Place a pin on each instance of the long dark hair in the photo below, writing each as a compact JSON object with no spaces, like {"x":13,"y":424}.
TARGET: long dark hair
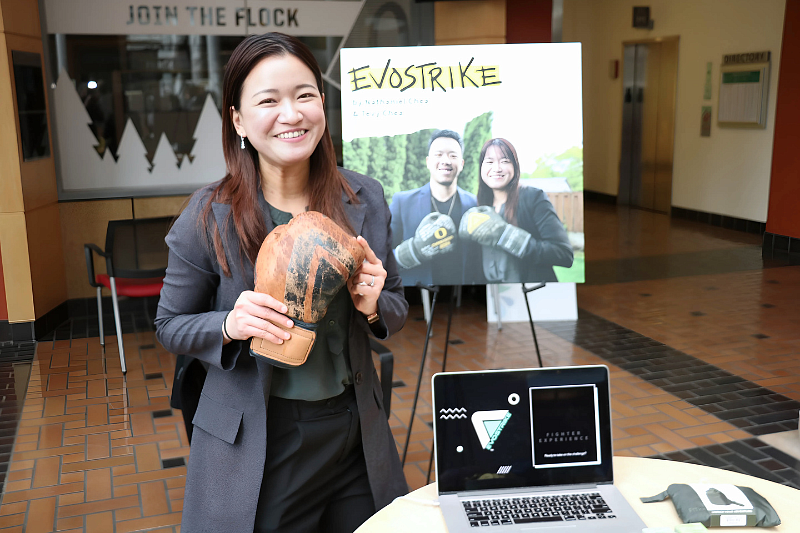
{"x":241,"y":185}
{"x":486,"y":194}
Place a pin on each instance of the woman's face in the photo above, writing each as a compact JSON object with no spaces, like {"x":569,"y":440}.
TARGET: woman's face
{"x":281,"y":112}
{"x":497,"y":171}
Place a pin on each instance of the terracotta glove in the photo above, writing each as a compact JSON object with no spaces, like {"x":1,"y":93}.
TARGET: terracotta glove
{"x":303,"y":264}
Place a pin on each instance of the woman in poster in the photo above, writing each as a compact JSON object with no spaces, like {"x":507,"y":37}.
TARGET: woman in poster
{"x":529,"y":239}
{"x":274,"y":449}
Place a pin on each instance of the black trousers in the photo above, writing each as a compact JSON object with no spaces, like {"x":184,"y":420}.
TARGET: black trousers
{"x":315,"y":476}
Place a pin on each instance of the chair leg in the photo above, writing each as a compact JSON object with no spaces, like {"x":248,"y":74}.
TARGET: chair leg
{"x":119,"y":324}
{"x":100,"y":315}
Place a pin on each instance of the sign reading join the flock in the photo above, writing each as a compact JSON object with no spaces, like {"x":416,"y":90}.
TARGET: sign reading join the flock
{"x":480,"y":153}
{"x":201,"y":17}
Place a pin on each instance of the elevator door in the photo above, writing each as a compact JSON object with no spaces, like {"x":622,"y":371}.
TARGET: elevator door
{"x":650,"y":72}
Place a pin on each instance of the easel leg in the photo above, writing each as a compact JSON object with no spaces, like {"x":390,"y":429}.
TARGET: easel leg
{"x":426,"y":307}
{"x":495,"y":291}
{"x":525,"y":292}
{"x":435,"y":291}
{"x":453,"y":300}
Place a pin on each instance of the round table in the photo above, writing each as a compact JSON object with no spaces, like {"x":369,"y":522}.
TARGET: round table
{"x":634,"y":476}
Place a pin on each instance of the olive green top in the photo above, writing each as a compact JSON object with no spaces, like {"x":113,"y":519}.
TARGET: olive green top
{"x":327,"y":369}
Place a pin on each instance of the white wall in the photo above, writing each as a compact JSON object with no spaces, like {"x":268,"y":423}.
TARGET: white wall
{"x":727,"y":173}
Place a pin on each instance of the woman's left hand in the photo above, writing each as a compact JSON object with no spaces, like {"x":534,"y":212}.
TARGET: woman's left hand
{"x":366,"y":284}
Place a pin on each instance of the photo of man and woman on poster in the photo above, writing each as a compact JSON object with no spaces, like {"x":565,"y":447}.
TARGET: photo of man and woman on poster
{"x":480,"y":153}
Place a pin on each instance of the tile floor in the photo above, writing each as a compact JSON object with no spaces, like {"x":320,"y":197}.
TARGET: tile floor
{"x":701,"y":335}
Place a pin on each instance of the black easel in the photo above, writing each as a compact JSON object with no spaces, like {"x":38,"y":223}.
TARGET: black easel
{"x":525,"y":291}
{"x":444,"y":365}
{"x":435,"y":290}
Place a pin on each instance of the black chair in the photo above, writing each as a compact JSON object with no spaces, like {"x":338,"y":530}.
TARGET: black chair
{"x":136,"y":262}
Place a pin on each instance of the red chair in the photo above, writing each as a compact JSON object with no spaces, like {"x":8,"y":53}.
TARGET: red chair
{"x":136,"y":262}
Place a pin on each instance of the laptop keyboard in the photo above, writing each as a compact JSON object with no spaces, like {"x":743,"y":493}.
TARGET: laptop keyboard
{"x":530,"y":509}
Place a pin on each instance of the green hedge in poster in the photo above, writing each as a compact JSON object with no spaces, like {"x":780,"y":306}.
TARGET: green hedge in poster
{"x":416,"y":170}
{"x":398,"y":161}
{"x":476,"y":133}
{"x":356,"y":155}
{"x":568,"y":164}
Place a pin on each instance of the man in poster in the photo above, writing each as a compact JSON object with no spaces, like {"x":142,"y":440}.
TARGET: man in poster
{"x":425,"y":221}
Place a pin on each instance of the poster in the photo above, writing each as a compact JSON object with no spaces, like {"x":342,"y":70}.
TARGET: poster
{"x":479,"y":149}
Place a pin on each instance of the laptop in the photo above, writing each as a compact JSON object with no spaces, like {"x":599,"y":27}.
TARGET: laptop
{"x":527,"y":450}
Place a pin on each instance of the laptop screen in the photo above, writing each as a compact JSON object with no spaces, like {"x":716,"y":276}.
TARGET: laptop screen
{"x":522,"y":428}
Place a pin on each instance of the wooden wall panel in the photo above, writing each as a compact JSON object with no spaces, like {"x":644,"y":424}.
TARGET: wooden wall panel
{"x":473,"y":22}
{"x":20,"y":17}
{"x":16,"y":267}
{"x":10,"y":184}
{"x":159,"y":207}
{"x":86,"y":221}
{"x":83,"y":222}
{"x":37,"y":181}
{"x":38,"y":177}
{"x":3,"y":302}
{"x":46,"y":258}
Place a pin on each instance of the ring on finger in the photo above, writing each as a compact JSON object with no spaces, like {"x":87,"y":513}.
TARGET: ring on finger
{"x":372,"y":283}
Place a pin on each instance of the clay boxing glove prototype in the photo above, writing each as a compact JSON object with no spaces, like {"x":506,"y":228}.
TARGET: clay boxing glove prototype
{"x":435,"y":235}
{"x":303,"y":264}
{"x":484,"y":226}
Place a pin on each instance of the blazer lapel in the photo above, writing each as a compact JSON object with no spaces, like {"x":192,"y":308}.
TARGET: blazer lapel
{"x":237,"y":261}
{"x":355,"y":212}
{"x":225,"y":228}
{"x":424,"y":199}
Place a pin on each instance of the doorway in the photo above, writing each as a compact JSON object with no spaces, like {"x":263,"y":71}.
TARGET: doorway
{"x":649,"y":79}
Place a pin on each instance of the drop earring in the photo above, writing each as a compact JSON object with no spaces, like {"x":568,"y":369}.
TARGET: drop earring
{"x":241,"y":145}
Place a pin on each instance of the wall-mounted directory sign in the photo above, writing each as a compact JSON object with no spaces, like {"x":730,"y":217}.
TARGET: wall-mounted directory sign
{"x":743,"y":90}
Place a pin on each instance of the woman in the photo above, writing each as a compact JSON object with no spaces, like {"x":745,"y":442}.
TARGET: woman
{"x":527,"y":208}
{"x":306,"y":449}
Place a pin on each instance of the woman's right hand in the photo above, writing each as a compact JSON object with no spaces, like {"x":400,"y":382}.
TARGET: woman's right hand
{"x":254,"y":315}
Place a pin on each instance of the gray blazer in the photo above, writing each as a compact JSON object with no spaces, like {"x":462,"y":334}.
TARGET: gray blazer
{"x":229,"y":442}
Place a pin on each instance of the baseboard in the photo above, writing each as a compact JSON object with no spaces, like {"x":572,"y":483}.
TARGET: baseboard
{"x":74,"y":308}
{"x":12,"y":333}
{"x":781,"y":245}
{"x":599,"y":197}
{"x":51,"y":320}
{"x":723,"y":221}
{"x":30,"y":331}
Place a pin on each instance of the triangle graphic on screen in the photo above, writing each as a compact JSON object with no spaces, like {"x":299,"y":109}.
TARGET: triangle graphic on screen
{"x":488,"y":425}
{"x":491,"y":425}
